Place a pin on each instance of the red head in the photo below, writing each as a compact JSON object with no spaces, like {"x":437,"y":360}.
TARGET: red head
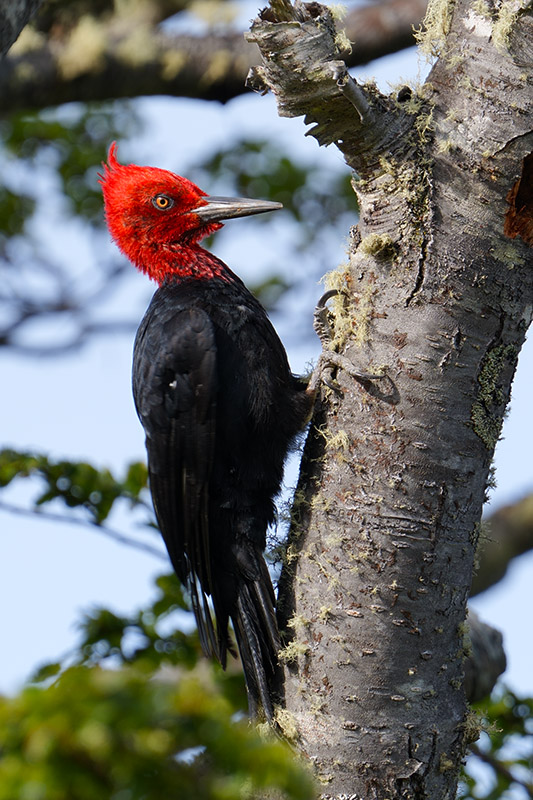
{"x":156,"y":218}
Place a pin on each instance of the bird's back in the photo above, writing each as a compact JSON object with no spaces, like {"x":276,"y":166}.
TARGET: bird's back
{"x":220,"y":407}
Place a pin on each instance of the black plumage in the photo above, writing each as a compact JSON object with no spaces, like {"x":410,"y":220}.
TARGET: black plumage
{"x":220,"y":408}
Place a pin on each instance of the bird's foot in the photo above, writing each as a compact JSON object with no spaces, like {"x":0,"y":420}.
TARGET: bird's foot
{"x":330,"y":360}
{"x":321,"y":322}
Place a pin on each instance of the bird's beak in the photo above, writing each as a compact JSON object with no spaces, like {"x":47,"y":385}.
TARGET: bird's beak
{"x":220,"y":208}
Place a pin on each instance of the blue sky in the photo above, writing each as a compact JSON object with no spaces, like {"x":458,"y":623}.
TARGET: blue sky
{"x":80,"y":406}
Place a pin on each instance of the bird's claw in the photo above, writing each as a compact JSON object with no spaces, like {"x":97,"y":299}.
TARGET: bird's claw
{"x":329,"y":359}
{"x":320,"y":317}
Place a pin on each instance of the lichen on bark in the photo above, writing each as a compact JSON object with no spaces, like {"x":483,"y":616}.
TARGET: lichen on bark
{"x":486,"y":410}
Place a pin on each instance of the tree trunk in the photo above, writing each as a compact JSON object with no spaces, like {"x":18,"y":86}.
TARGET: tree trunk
{"x":435,"y":300}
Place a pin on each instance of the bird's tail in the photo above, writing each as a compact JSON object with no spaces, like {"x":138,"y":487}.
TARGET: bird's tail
{"x":258,"y":641}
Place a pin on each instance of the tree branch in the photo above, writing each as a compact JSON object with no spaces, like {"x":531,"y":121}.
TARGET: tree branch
{"x":109,"y":57}
{"x":70,"y":298}
{"x":507,"y":533}
{"x":8,"y":337}
{"x":116,"y":536}
{"x":485,"y":660}
{"x":500,"y":768}
{"x":14,"y":15}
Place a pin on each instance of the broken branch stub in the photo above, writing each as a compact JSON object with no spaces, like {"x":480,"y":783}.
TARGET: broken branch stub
{"x":302,"y":66}
{"x":300,"y":60}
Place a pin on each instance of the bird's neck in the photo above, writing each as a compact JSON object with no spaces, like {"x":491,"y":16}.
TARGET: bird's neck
{"x":175,"y":262}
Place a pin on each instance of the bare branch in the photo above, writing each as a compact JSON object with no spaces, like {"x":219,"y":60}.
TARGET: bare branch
{"x":14,"y":15}
{"x":68,"y":297}
{"x":502,"y":769}
{"x":485,"y":661}
{"x":107,"y":58}
{"x":505,"y":534}
{"x":116,"y":536}
{"x":70,"y":345}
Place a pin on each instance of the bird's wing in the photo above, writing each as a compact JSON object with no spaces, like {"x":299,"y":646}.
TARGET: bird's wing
{"x":174,"y":385}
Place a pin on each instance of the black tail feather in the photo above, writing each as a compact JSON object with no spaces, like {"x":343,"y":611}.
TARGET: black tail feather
{"x":204,"y":622}
{"x":267,"y":598}
{"x":258,"y":642}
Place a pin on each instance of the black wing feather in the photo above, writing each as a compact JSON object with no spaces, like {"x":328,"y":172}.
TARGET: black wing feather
{"x":174,"y":385}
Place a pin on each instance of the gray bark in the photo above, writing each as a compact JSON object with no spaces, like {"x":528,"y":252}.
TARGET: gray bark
{"x":437,"y":297}
{"x":14,"y":15}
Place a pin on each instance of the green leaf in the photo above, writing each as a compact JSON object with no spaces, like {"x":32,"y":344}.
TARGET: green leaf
{"x":97,"y":734}
{"x":508,"y":731}
{"x":45,"y":672}
{"x":74,"y":140}
{"x":75,"y":483}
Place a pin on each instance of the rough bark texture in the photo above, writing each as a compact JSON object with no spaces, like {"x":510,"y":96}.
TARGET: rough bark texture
{"x":437,"y":298}
{"x":125,"y":53}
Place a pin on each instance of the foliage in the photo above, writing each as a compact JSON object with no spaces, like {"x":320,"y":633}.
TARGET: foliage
{"x":77,"y":484}
{"x":147,"y":638}
{"x":501,"y":765}
{"x":137,"y":715}
{"x":50,"y":162}
{"x":111,"y":724}
{"x":72,"y":140}
{"x":135,"y":711}
{"x":152,"y":642}
{"x":98,"y":733}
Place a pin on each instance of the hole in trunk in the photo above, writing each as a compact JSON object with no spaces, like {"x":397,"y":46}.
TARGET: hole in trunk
{"x":519,"y":216}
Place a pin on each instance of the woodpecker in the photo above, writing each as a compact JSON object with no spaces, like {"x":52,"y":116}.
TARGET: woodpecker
{"x":219,"y":406}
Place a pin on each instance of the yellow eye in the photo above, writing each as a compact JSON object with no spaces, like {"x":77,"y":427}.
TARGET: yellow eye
{"x":162,"y":202}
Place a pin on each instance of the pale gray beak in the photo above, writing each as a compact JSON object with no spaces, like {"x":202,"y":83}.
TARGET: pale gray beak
{"x":219,"y":208}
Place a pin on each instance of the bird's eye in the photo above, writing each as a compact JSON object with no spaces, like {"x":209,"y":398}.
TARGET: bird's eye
{"x":162,"y":202}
